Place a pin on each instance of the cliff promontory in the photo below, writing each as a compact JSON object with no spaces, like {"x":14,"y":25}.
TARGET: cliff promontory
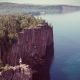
{"x":33,"y":45}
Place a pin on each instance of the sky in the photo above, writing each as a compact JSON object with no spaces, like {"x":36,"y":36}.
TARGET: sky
{"x":49,"y":2}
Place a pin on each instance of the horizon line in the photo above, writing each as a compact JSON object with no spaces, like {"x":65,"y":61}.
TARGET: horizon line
{"x":42,"y":4}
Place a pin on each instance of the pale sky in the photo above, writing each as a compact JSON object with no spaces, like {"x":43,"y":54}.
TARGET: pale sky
{"x":72,"y":2}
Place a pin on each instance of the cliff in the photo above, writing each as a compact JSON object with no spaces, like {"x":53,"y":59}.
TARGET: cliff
{"x":35,"y":47}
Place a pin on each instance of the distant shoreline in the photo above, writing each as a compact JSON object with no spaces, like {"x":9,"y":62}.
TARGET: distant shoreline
{"x":15,"y":8}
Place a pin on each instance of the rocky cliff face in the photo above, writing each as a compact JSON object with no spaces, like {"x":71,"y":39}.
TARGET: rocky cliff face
{"x":35,"y":47}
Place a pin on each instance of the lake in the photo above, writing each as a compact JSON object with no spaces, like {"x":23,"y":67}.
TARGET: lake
{"x":66,"y":30}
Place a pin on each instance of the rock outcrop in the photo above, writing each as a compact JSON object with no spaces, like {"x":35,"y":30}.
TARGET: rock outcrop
{"x":35,"y":47}
{"x":19,"y":72}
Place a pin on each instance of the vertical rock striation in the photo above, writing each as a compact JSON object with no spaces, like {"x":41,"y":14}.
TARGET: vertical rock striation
{"x":35,"y":47}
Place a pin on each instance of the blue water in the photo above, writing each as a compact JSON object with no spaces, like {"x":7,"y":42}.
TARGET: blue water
{"x":66,"y":63}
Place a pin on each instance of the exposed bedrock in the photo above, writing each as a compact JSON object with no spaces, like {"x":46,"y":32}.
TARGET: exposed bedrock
{"x":18,"y":72}
{"x":35,"y":47}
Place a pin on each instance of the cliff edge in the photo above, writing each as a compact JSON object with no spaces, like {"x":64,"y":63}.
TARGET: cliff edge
{"x":35,"y":47}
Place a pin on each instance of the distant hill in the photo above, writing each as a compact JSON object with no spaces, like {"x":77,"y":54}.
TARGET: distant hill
{"x":13,"y":8}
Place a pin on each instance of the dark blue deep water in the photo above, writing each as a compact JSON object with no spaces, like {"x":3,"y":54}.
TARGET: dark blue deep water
{"x":66,"y":63}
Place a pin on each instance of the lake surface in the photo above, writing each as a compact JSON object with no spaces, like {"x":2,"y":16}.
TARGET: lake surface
{"x":66,"y":63}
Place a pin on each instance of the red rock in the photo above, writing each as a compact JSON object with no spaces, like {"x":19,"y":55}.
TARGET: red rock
{"x":35,"y":47}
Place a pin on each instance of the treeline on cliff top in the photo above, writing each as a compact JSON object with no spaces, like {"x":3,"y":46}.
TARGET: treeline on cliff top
{"x":11,"y":25}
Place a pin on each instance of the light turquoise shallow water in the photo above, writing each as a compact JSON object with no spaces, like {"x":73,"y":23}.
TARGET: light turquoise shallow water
{"x":66,"y":64}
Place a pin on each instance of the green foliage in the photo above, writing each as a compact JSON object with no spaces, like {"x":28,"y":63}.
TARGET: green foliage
{"x":13,"y":24}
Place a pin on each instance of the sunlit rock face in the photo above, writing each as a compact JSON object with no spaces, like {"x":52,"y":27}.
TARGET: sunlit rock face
{"x":35,"y":47}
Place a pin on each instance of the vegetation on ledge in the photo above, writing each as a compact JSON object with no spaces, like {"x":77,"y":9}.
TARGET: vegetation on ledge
{"x":11,"y":25}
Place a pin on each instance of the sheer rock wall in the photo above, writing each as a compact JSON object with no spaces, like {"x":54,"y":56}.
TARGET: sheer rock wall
{"x":36,"y":48}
